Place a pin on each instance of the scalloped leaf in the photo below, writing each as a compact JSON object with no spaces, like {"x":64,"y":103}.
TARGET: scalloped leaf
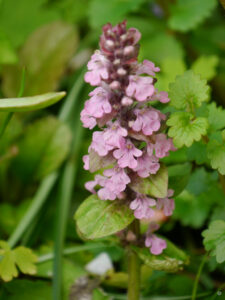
{"x":216,"y":154}
{"x":205,"y":66}
{"x":172,"y":259}
{"x":30,"y":103}
{"x":97,"y":218}
{"x":214,"y":240}
{"x":155,"y":185}
{"x":187,"y":14}
{"x":185,"y":130}
{"x":188,"y":91}
{"x":216,"y":116}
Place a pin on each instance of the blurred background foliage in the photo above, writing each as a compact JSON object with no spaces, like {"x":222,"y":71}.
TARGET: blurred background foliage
{"x":41,"y":170}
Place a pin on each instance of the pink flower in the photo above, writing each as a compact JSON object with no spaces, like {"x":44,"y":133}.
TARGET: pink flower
{"x":87,"y":120}
{"x":126,"y":154}
{"x":167,"y":204}
{"x":134,"y":34}
{"x":147,"y":165}
{"x":113,"y":185}
{"x":141,"y":206}
{"x":148,"y":120}
{"x":140,"y":87}
{"x":86,"y":162}
{"x":99,"y":144}
{"x":162,"y":97}
{"x":97,"y":67}
{"x":162,"y":146}
{"x":114,"y":133}
{"x":147,"y":67}
{"x":156,"y":245}
{"x":89,"y":185}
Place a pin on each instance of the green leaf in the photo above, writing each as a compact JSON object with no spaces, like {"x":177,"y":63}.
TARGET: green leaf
{"x":188,"y":91}
{"x":102,"y":12}
{"x":20,"y":257}
{"x":19,"y":19}
{"x":7,"y":52}
{"x":205,"y":66}
{"x":185,"y":130}
{"x":197,"y":153}
{"x":43,"y":147}
{"x":30,"y":103}
{"x":214,"y":240}
{"x":187,"y":14}
{"x":160,"y":47}
{"x":155,"y":185}
{"x":171,"y":260}
{"x":45,"y":56}
{"x":178,"y":177}
{"x":96,"y":218}
{"x":216,"y":154}
{"x":216,"y":116}
{"x":169,"y":69}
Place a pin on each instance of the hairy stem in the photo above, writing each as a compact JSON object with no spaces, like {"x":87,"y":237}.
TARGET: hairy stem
{"x":134,"y":273}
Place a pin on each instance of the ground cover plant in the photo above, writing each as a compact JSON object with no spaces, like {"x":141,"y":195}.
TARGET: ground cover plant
{"x":112,"y":150}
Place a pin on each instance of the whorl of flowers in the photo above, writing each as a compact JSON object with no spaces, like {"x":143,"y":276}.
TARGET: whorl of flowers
{"x":130,"y":141}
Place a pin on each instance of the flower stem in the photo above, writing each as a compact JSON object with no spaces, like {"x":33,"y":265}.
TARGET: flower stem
{"x":134,"y":273}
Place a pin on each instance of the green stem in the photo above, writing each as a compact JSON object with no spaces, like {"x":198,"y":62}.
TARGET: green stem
{"x":134,"y":271}
{"x":38,"y":200}
{"x":195,"y":287}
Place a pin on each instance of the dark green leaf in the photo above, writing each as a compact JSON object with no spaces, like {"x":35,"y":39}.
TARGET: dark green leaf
{"x":178,"y":177}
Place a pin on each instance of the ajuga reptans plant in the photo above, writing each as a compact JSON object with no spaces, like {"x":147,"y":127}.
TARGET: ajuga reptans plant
{"x":131,"y":140}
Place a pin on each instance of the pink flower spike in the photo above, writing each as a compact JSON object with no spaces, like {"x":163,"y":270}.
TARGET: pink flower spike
{"x":97,"y":67}
{"x":87,"y":120}
{"x":140,"y":87}
{"x":162,"y":145}
{"x":147,"y":165}
{"x":141,"y":206}
{"x":99,"y":144}
{"x":126,"y":154}
{"x":148,"y":120}
{"x":166,"y":204}
{"x":156,"y":245}
{"x":147,"y":67}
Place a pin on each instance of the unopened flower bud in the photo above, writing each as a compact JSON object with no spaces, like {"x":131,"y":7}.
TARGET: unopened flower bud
{"x":123,"y":37}
{"x":121,"y":72}
{"x":110,"y":44}
{"x":115,"y":85}
{"x":126,"y":101}
{"x":128,"y":50}
{"x":116,"y":62}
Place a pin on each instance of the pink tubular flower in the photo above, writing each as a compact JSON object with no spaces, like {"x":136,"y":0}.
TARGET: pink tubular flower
{"x":141,"y":206}
{"x":148,"y":120}
{"x":126,"y":154}
{"x":131,"y":138}
{"x":140,"y":87}
{"x":147,"y":165}
{"x":147,"y":67}
{"x":167,"y":204}
{"x":155,"y":244}
{"x":97,"y":67}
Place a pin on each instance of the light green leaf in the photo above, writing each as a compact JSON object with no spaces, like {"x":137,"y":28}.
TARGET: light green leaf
{"x":45,"y":56}
{"x":7,"y":52}
{"x":171,"y":260}
{"x":178,"y":177}
{"x":184,"y":130}
{"x":216,"y":154}
{"x":42,"y":149}
{"x":102,"y":12}
{"x":188,"y":91}
{"x":169,"y":69}
{"x":96,"y":218}
{"x":155,"y":185}
{"x":187,"y":14}
{"x":25,"y":260}
{"x":160,"y":47}
{"x":11,"y":259}
{"x":216,"y":116}
{"x":205,"y":66}
{"x":214,"y":240}
{"x":30,"y":103}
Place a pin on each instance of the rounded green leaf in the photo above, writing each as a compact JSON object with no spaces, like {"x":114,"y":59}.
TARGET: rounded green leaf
{"x":30,"y":103}
{"x":155,"y":185}
{"x":96,"y":218}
